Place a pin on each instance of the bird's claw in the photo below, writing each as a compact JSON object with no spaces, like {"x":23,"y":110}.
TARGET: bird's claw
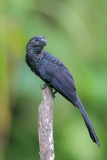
{"x":44,"y":86}
{"x":53,"y":93}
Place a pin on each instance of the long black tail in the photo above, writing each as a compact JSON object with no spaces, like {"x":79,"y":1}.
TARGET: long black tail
{"x":88,"y":123}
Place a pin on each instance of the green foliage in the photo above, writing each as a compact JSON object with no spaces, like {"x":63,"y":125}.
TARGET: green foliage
{"x":76,"y":32}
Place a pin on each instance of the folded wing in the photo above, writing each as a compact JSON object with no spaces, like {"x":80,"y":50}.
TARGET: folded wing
{"x":61,"y":80}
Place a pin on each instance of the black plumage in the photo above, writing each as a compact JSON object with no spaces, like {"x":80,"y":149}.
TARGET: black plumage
{"x":51,"y":70}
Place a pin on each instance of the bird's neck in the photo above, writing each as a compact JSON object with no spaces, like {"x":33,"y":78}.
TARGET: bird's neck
{"x":38,"y":50}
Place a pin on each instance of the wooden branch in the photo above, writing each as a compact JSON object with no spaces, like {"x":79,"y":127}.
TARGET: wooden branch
{"x":45,"y":129}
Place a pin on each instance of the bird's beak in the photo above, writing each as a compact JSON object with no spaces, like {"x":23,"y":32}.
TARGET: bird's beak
{"x":44,"y":41}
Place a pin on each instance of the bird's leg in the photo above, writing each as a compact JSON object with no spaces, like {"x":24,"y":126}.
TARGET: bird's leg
{"x":49,"y":84}
{"x":53,"y":93}
{"x":45,"y":85}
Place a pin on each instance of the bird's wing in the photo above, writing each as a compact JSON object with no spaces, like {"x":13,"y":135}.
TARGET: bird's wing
{"x":61,"y":80}
{"x":42,"y":72}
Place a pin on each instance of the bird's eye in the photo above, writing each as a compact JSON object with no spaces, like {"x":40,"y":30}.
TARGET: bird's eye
{"x":37,"y":39}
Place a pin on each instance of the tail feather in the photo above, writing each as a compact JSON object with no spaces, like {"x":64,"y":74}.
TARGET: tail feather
{"x":88,"y":123}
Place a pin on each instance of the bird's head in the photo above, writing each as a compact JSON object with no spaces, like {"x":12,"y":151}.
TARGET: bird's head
{"x":36,"y":44}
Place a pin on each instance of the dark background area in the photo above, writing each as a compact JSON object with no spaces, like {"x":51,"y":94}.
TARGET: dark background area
{"x":76,"y":32}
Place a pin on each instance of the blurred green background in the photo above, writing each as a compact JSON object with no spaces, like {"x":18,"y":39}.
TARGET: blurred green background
{"x":76,"y":32}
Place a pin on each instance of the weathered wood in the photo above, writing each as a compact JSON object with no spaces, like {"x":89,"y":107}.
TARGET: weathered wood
{"x":45,"y":130}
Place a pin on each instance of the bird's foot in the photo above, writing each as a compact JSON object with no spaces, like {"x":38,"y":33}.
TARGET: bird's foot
{"x":53,"y":93}
{"x":45,"y":85}
{"x":49,"y":84}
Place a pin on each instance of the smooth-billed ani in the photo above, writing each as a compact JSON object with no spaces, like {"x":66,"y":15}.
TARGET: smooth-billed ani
{"x":52,"y":71}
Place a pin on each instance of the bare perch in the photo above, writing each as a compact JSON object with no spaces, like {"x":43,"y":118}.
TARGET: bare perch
{"x":46,"y":141}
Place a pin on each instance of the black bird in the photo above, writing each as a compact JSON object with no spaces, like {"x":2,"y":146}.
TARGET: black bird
{"x":52,"y":71}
